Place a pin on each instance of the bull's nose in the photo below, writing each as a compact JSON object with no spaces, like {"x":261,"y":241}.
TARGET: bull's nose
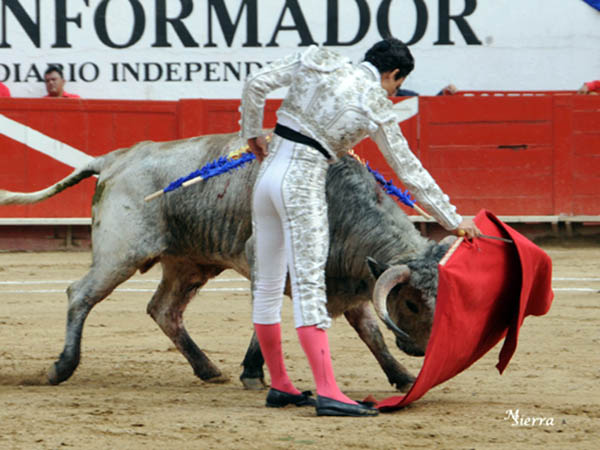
{"x":409,"y":348}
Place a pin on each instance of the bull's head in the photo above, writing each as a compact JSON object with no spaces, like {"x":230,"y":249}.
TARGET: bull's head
{"x":405,"y":294}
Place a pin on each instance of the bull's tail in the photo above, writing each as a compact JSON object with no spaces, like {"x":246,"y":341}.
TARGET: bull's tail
{"x":21,"y":198}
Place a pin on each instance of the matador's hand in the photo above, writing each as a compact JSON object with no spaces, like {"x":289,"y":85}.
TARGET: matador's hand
{"x":258,"y":146}
{"x":468,"y":228}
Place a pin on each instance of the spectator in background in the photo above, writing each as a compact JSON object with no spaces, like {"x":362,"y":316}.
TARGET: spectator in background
{"x":4,"y":91}
{"x":590,"y":88}
{"x":55,"y":83}
{"x":448,"y":90}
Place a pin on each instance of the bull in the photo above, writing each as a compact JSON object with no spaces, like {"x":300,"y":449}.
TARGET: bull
{"x":196,"y":233}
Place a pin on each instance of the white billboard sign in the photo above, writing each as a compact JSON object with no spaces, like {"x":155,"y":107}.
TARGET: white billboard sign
{"x":172,"y":49}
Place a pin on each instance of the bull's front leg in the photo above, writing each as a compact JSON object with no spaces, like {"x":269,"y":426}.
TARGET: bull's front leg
{"x":365,"y":323}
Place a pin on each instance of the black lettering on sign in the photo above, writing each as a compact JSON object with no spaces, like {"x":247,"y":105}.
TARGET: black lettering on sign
{"x":173,"y":72}
{"x":461,"y":23}
{"x":209,"y":71}
{"x":5,"y":72}
{"x":72,"y":71}
{"x":133,"y":70}
{"x":249,"y":65}
{"x":62,"y":20}
{"x":300,"y":25}
{"x":176,"y":23}
{"x":190,"y":69}
{"x":100,"y":23}
{"x":234,"y":70}
{"x":383,"y":21}
{"x":34,"y":73}
{"x":114,"y":67}
{"x":17,"y":67}
{"x":228,"y":27}
{"x":152,"y":71}
{"x":333,"y":21}
{"x":31,"y":27}
{"x":89,"y":72}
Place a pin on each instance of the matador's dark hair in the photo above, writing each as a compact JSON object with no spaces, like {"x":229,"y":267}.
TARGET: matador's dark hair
{"x":390,"y":54}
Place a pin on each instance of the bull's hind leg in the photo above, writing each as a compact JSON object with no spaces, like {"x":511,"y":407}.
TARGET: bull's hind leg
{"x":180,"y":281}
{"x":95,"y":286}
{"x":365,"y":323}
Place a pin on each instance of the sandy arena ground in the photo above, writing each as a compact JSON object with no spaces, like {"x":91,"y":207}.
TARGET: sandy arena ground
{"x":134,"y":390}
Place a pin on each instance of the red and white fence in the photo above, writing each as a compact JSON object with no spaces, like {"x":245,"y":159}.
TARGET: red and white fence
{"x":525,"y":156}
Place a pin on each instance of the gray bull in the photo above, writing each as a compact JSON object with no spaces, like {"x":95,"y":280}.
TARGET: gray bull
{"x":197,"y":232}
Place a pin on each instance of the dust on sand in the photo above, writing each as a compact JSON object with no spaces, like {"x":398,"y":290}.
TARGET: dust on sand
{"x":134,"y":390}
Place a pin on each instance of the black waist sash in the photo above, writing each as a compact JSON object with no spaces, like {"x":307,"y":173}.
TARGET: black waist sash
{"x":294,"y":136}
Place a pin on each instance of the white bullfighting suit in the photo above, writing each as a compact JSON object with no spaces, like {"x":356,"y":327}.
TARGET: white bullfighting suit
{"x":336,"y":104}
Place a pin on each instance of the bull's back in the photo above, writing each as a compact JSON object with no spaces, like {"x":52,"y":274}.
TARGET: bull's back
{"x":209,"y":221}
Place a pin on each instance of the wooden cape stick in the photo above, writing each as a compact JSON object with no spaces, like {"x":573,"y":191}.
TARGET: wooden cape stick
{"x":451,"y":250}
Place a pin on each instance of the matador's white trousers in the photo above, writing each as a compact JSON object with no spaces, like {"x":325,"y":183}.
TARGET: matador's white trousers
{"x":289,"y":217}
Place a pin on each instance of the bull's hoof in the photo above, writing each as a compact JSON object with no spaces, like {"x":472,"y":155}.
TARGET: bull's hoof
{"x":254,"y":384}
{"x":404,"y":383}
{"x":404,"y":387}
{"x":57,"y":373}
{"x":53,"y":377}
{"x":211,"y":374}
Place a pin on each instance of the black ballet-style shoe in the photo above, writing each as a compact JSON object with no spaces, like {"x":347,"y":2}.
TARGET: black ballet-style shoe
{"x":329,"y":407}
{"x":279,"y":399}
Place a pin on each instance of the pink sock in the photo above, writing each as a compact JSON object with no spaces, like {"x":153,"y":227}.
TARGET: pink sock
{"x":316,"y":346}
{"x":269,"y":338}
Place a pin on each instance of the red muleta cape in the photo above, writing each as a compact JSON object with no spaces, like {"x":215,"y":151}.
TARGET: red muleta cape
{"x":486,"y":288}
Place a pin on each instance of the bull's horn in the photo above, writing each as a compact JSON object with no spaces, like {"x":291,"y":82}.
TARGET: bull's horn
{"x":384,"y":284}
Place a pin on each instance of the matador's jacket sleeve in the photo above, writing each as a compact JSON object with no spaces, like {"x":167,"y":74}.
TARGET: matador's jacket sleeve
{"x":338,"y":105}
{"x":394,"y":147}
{"x":277,"y":74}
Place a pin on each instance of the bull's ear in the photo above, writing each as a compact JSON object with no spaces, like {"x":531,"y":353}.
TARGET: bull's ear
{"x":376,"y":267}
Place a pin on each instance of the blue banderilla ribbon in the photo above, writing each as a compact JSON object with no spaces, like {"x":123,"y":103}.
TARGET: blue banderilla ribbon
{"x":390,"y":189}
{"x":224,"y":164}
{"x":212,"y":169}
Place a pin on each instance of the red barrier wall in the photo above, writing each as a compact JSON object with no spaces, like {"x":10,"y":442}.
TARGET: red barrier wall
{"x":526,"y":155}
{"x":94,"y":127}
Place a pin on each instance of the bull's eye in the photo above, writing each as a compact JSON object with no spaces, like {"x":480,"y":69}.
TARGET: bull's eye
{"x":410,"y":305}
